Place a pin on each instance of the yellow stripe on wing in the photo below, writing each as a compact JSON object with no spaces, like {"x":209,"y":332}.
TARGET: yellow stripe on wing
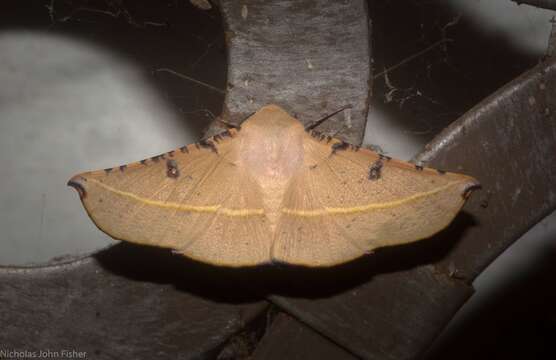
{"x":368,"y":207}
{"x":182,"y":207}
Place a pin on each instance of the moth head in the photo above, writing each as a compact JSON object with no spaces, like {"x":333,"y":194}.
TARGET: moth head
{"x":271,"y":120}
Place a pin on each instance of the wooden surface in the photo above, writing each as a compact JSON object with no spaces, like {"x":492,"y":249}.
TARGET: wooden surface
{"x":507,"y":142}
{"x":391,"y":316}
{"x":289,"y":339}
{"x":390,"y":305}
{"x":124,"y":302}
{"x":310,"y":57}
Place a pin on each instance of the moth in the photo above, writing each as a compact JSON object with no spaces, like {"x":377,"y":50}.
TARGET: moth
{"x":272,"y":192}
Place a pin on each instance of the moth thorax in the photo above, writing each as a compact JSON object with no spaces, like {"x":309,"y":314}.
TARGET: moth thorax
{"x":272,"y":158}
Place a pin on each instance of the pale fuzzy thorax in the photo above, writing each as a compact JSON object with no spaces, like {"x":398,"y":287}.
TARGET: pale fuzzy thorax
{"x":271,"y":151}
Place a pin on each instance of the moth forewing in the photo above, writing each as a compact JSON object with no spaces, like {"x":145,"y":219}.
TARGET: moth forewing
{"x":272,"y":192}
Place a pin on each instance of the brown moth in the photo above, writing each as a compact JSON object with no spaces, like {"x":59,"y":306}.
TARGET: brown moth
{"x":272,"y":192}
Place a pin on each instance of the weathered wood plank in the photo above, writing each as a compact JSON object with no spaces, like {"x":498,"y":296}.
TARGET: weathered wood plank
{"x":507,"y":142}
{"x":392,"y":316}
{"x":310,"y":57}
{"x":125,"y":302}
{"x":287,"y":338}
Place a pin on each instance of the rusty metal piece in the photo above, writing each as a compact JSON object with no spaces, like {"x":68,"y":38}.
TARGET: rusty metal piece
{"x":310,"y":57}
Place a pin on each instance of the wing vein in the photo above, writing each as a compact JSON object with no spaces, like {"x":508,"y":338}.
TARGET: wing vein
{"x":352,"y":241}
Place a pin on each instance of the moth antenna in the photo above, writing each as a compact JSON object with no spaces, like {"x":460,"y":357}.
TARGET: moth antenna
{"x":232,"y":125}
{"x":228,"y":124}
{"x":320,"y":121}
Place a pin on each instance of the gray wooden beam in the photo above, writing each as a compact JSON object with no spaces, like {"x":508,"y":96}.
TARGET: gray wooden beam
{"x":508,"y":142}
{"x":310,"y":57}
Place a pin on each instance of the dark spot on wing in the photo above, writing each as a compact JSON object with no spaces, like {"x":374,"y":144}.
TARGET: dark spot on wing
{"x":315,"y":134}
{"x":172,"y":170}
{"x":207,"y":144}
{"x":226,"y":133}
{"x":344,"y":146}
{"x":375,"y":170}
{"x":157,"y":158}
{"x":384,"y":157}
{"x":339,"y":147}
{"x":319,"y":136}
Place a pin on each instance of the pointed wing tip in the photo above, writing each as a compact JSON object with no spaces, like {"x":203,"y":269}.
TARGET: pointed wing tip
{"x":469,"y":187}
{"x":76,"y":182}
{"x":466,"y":184}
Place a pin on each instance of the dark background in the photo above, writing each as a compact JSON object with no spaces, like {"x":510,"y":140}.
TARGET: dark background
{"x":515,"y":317}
